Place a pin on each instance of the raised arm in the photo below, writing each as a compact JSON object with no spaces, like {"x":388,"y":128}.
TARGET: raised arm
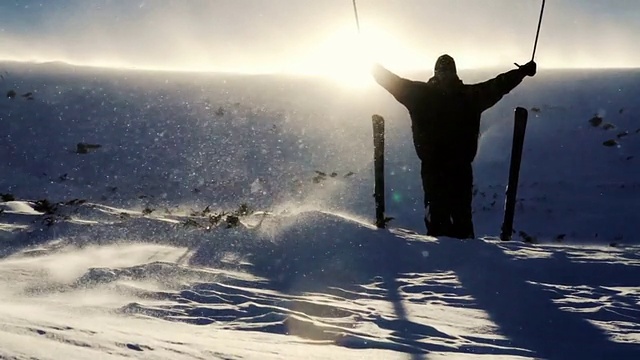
{"x":394,"y":84}
{"x":491,"y":91}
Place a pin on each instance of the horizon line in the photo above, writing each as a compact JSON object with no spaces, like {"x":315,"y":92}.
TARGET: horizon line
{"x":263,"y":73}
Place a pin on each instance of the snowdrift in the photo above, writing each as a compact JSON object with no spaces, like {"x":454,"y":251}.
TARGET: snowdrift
{"x":160,"y":215}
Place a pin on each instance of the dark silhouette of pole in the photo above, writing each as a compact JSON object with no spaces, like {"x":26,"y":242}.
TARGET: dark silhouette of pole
{"x":535,"y":43}
{"x":378,"y":162}
{"x":519,"y":129}
{"x":355,"y":11}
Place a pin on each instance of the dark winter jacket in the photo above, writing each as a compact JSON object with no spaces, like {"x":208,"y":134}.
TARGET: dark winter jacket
{"x":445,"y":117}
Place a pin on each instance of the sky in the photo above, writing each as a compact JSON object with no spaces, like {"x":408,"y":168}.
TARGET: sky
{"x":318,"y":37}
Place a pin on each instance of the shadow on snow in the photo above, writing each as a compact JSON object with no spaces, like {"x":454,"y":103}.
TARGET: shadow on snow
{"x":318,"y":253}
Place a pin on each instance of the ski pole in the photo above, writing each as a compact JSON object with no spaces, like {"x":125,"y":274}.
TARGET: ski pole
{"x":355,"y":12}
{"x":535,"y":44}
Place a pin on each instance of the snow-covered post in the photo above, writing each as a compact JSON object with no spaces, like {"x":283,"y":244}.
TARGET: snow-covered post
{"x":378,"y":161}
{"x":519,"y":128}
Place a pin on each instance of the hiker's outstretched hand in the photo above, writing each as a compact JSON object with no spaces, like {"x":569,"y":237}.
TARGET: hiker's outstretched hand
{"x":529,"y":69}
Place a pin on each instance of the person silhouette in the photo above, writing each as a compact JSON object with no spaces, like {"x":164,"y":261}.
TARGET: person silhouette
{"x":445,"y":121}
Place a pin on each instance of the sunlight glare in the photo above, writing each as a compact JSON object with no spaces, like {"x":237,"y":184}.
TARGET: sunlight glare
{"x":347,"y":57}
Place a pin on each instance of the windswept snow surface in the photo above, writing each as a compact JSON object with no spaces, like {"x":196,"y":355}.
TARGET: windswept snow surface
{"x":144,"y":250}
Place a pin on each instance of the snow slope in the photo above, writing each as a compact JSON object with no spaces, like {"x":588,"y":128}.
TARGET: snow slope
{"x":148,"y":245}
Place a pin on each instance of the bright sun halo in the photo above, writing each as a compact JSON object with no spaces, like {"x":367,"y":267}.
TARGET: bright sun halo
{"x":344,"y":56}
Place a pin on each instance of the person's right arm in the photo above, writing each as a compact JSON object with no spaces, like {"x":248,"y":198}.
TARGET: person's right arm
{"x":394,"y":84}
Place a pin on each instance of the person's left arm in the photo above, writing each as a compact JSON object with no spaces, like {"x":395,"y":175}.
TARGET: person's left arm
{"x":397,"y":86}
{"x":491,"y":91}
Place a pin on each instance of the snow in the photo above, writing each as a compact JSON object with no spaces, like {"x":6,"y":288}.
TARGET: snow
{"x":135,"y":253}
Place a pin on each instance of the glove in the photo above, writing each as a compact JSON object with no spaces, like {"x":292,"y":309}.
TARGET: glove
{"x":529,"y":69}
{"x":376,"y":68}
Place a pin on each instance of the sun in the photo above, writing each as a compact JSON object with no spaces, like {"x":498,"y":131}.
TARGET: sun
{"x":347,"y":56}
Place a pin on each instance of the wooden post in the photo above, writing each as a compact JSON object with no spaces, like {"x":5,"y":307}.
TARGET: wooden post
{"x":519,"y":128}
{"x":378,"y":161}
